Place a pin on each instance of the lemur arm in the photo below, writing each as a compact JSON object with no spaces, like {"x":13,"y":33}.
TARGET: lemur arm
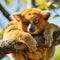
{"x":52,"y":35}
{"x":14,"y":32}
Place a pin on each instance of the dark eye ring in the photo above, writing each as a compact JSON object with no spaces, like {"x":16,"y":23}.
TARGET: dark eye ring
{"x":25,"y":22}
{"x":36,"y":21}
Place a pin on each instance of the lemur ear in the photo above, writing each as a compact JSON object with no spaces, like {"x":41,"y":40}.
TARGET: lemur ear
{"x":16,"y":16}
{"x":46,"y":14}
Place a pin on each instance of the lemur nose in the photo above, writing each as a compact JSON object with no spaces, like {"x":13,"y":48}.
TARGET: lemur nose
{"x":31,"y":27}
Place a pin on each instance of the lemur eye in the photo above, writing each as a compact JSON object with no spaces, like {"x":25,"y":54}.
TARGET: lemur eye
{"x":36,"y":21}
{"x":25,"y":22}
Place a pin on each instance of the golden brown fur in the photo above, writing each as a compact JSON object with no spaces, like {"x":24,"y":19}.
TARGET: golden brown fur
{"x":17,"y":30}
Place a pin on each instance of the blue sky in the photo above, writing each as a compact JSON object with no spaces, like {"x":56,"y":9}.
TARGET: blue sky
{"x":11,"y":9}
{"x":56,"y":20}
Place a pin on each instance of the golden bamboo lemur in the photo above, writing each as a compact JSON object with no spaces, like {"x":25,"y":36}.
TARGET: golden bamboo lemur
{"x":32,"y":28}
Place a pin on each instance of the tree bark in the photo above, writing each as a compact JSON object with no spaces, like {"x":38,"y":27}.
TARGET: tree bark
{"x":57,"y":41}
{"x":10,"y":46}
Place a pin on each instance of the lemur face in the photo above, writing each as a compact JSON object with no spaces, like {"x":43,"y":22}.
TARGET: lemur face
{"x":33,"y":20}
{"x":33,"y":23}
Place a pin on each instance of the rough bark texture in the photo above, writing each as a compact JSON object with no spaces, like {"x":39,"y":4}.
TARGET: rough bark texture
{"x":10,"y":47}
{"x":14,"y":46}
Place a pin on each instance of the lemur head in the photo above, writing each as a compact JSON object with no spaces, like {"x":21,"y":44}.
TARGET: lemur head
{"x":32,"y":20}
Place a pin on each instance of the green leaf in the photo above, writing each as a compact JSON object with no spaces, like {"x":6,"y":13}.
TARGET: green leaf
{"x":8,"y":2}
{"x":40,"y":2}
{"x":1,"y":33}
{"x":43,"y":7}
{"x":55,"y":16}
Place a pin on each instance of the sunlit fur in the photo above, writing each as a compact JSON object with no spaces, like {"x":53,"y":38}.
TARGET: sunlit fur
{"x":19,"y":27}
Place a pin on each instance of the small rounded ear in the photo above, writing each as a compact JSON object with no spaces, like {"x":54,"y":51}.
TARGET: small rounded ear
{"x":46,"y":14}
{"x":16,"y":16}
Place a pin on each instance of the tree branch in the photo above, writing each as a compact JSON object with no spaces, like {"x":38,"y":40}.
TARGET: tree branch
{"x":56,"y":37}
{"x":57,"y":41}
{"x":10,"y":46}
{"x":14,"y":46}
{"x":5,"y":13}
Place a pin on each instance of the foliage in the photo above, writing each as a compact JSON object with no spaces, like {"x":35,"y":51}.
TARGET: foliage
{"x":57,"y":53}
{"x":8,"y":2}
{"x":1,"y":33}
{"x":23,"y":1}
{"x":55,"y":16}
{"x":43,"y":7}
{"x":39,"y":2}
